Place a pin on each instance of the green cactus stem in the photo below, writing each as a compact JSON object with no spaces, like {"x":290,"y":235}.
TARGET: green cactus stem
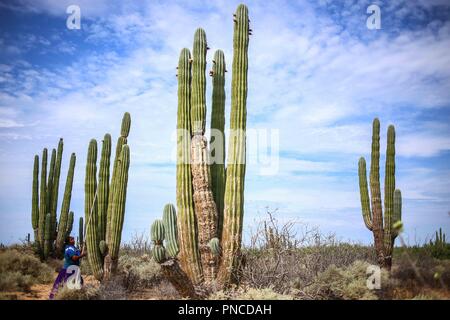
{"x":90,"y":211}
{"x":81,"y":232}
{"x":218,"y":136}
{"x":35,"y":199}
{"x":43,"y":201}
{"x":189,"y":255}
{"x":235,"y":173}
{"x":47,"y":236}
{"x":198,"y":97}
{"x":171,"y":232}
{"x":65,"y":207}
{"x":117,"y":213}
{"x":103,"y":186}
{"x":55,"y":189}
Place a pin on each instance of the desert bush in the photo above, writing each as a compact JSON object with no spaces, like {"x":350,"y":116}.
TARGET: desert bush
{"x":87,"y":292}
{"x":139,"y":245}
{"x":19,"y":270}
{"x":344,"y":283}
{"x":290,"y":255}
{"x":139,"y":272}
{"x":249,"y":294}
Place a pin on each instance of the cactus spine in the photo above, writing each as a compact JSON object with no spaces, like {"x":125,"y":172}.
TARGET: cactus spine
{"x":384,"y":236}
{"x":107,"y":202}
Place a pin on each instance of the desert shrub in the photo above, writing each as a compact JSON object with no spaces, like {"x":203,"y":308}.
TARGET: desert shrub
{"x":249,"y":294}
{"x":87,"y":292}
{"x":139,"y":272}
{"x":19,"y":270}
{"x":290,"y":255}
{"x":345,"y":283}
{"x":139,"y":245}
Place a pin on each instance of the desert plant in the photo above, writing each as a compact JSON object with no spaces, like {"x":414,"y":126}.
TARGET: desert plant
{"x":19,"y":270}
{"x":209,"y":205}
{"x":45,"y":201}
{"x":105,"y":202}
{"x":384,"y":235}
{"x":439,"y":248}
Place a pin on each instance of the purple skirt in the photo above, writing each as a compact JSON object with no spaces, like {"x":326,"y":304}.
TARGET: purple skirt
{"x":60,"y":281}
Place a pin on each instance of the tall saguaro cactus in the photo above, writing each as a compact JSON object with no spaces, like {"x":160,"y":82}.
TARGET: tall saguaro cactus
{"x":105,"y":202}
{"x":210,"y":205}
{"x":384,"y":235}
{"x":50,"y":237}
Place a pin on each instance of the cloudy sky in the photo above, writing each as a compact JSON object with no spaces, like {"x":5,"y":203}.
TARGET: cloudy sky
{"x":317,"y":78}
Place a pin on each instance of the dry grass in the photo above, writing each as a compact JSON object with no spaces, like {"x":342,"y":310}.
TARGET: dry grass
{"x":20,"y":269}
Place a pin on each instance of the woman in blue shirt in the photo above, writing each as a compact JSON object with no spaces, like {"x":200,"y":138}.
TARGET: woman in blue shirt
{"x":72,"y":257}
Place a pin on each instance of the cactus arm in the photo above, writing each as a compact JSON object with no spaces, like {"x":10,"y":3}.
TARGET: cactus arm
{"x":234,"y":188}
{"x":117,"y":213}
{"x":121,"y":141}
{"x":69,"y":225}
{"x":60,"y":240}
{"x":35,"y":198}
{"x":90,"y":211}
{"x":171,"y":232}
{"x":364,"y":193}
{"x":389,"y":188}
{"x":377,"y":213}
{"x":187,"y":228}
{"x":55,"y":188}
{"x":81,"y":232}
{"x":43,"y":200}
{"x":103,"y":186}
{"x":217,"y":131}
{"x":198,"y":97}
{"x":397,"y":212}
{"x":51,"y":174}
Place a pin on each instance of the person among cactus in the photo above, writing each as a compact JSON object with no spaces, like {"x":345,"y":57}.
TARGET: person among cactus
{"x":72,"y":256}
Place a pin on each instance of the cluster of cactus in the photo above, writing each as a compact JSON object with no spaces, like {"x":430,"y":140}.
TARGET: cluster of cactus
{"x":105,"y":202}
{"x":49,"y":234}
{"x":439,"y":239}
{"x":372,"y":210}
{"x":203,"y":244}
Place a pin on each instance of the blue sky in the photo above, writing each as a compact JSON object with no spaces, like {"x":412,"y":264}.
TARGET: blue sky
{"x":317,"y":77}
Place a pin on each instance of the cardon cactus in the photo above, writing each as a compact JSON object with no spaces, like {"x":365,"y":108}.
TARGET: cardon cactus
{"x":209,"y":197}
{"x":384,"y":235}
{"x":105,"y":202}
{"x":45,"y":201}
{"x":81,"y":232}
